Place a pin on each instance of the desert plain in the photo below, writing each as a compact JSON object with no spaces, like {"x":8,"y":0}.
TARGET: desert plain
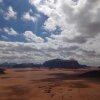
{"x":48,"y":84}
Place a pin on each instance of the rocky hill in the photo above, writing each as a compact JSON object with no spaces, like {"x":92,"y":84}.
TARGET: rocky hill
{"x":59,"y":63}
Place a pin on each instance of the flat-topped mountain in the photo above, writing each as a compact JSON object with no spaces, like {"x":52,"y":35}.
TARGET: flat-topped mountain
{"x":59,"y":63}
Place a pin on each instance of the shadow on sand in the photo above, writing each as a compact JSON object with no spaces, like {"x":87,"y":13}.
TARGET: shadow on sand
{"x":59,"y":80}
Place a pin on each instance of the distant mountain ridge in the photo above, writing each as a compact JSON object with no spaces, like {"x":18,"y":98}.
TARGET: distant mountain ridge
{"x":54,"y":63}
{"x":59,"y":63}
{"x":22,"y":65}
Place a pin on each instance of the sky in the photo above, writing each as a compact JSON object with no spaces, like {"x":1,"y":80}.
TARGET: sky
{"x":40,"y":30}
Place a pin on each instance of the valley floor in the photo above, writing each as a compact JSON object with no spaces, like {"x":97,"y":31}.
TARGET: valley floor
{"x":46,"y":84}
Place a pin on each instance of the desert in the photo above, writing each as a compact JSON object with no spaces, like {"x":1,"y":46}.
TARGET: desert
{"x":49,"y":84}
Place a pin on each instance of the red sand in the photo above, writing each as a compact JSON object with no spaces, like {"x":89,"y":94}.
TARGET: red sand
{"x":45,"y":84}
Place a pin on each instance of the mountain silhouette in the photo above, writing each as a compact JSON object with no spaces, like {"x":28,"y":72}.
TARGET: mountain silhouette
{"x":59,"y":63}
{"x":54,"y":63}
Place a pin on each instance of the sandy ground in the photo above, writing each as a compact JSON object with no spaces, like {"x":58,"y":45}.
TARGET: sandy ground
{"x":45,"y":84}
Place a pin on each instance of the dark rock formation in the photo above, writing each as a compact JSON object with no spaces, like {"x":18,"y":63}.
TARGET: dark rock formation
{"x":28,"y":65}
{"x":59,"y":63}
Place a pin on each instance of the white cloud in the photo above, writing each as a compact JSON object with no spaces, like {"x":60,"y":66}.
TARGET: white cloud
{"x":10,"y":14}
{"x":16,"y":52}
{"x":28,"y":17}
{"x":31,"y":37}
{"x":51,"y":26}
{"x":83,"y":14}
{"x":40,"y":52}
{"x":79,"y":21}
{"x":10,"y":31}
{"x":21,"y":52}
{"x":34,"y":1}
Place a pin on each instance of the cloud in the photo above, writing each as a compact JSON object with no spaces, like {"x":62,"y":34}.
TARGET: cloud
{"x":82,"y":14}
{"x":86,"y":20}
{"x":10,"y":14}
{"x":10,"y":31}
{"x":51,"y":26}
{"x":79,"y":22}
{"x":31,"y":37}
{"x":79,"y":38}
{"x":28,"y":17}
{"x":16,"y":52}
{"x":39,"y":52}
{"x":22,"y":52}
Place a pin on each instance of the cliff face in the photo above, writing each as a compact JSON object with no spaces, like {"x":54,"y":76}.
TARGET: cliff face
{"x":59,"y":63}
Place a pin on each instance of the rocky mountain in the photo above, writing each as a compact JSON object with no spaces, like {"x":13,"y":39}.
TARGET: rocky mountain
{"x":54,"y":63}
{"x":27,"y":65}
{"x":59,"y":63}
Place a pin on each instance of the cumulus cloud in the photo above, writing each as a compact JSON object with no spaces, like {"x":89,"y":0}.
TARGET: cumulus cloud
{"x":28,"y":17}
{"x":10,"y":31}
{"x":51,"y":26}
{"x":10,"y":14}
{"x":31,"y":37}
{"x":82,"y":14}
